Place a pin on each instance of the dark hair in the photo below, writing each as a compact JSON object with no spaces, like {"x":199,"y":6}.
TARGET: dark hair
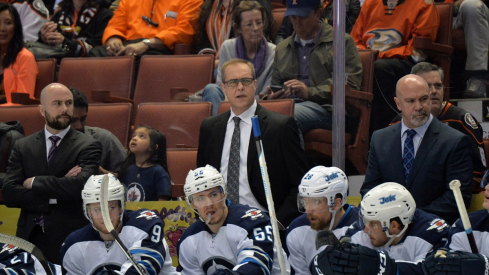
{"x":399,"y":222}
{"x":425,"y":67}
{"x":69,"y":7}
{"x":247,"y":5}
{"x":17,"y":43}
{"x":157,"y":145}
{"x":79,"y":98}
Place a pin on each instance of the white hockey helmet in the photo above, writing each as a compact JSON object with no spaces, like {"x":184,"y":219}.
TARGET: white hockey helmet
{"x":325,"y":182}
{"x":91,"y":192}
{"x":201,"y":179}
{"x":385,"y":202}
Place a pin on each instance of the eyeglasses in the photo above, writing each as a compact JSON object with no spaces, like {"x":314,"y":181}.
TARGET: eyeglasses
{"x":200,"y":201}
{"x":250,"y":25}
{"x":311,"y":204}
{"x":234,"y":82}
{"x":438,"y":86}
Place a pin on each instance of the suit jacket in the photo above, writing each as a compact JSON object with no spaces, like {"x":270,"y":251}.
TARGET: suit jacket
{"x":29,"y":159}
{"x":286,"y":160}
{"x":443,"y":155}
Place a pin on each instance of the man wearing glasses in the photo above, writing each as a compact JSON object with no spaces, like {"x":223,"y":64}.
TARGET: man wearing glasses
{"x":228,"y":238}
{"x":232,"y":149}
{"x":454,"y":117}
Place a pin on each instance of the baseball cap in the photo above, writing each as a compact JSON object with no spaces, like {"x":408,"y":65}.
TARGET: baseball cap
{"x":300,"y":7}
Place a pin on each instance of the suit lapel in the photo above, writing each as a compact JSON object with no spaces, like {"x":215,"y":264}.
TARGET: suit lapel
{"x":41,"y":151}
{"x":395,"y":143}
{"x":429,"y":139}
{"x":220,"y":133}
{"x":252,"y":151}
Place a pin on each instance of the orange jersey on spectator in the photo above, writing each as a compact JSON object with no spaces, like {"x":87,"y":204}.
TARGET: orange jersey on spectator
{"x":177,"y":21}
{"x":392,"y":34}
{"x":20,"y":77}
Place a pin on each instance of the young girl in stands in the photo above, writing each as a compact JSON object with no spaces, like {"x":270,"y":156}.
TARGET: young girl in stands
{"x":145,"y":171}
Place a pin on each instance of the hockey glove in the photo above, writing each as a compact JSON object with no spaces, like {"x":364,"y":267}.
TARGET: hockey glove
{"x":351,"y":259}
{"x":455,"y":263}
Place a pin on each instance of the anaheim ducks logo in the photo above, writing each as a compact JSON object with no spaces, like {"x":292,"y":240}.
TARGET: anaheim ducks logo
{"x":385,"y":39}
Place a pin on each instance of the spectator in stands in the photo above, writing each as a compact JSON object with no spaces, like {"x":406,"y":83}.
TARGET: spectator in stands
{"x":454,"y":117}
{"x":352,"y":10}
{"x":113,"y":152}
{"x":18,"y":66}
{"x":389,"y":27}
{"x":216,"y":25}
{"x":78,"y":25}
{"x":150,"y":27}
{"x":303,"y":65}
{"x":287,"y":162}
{"x":473,"y":17}
{"x":249,"y":20}
{"x":421,"y":153}
{"x":46,"y":174}
{"x":10,"y":132}
{"x":33,"y":15}
{"x":145,"y":171}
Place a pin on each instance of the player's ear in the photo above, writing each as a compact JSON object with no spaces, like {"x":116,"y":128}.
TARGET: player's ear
{"x":395,"y":227}
{"x":337,"y":204}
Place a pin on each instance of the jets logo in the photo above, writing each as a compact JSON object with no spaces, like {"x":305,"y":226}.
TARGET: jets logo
{"x":105,"y":268}
{"x":437,"y":224}
{"x":212,"y":264}
{"x":253,"y":214}
{"x":135,"y":192}
{"x":147,"y":214}
{"x":385,"y":39}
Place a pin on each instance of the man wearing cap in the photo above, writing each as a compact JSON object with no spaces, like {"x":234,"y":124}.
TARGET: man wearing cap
{"x":303,"y":65}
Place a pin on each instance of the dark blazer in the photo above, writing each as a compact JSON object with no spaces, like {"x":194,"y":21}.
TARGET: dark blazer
{"x":443,"y":155}
{"x":29,"y":159}
{"x":286,"y":160}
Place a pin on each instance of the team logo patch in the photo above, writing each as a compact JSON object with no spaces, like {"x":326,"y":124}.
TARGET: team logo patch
{"x":437,"y":224}
{"x":39,"y":6}
{"x":8,"y":247}
{"x":212,"y":264}
{"x":253,"y":214}
{"x":385,"y":39}
{"x":147,"y":214}
{"x":470,"y":121}
{"x":135,"y":192}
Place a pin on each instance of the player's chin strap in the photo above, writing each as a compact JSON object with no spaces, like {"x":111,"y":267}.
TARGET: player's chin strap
{"x":394,"y":236}
{"x":331,"y":223}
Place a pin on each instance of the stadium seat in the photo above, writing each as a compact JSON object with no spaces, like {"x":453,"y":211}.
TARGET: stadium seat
{"x":105,"y":115}
{"x":172,"y":78}
{"x":179,"y":121}
{"x":278,"y":17}
{"x":180,"y":161}
{"x":320,"y":141}
{"x":440,"y":51}
{"x":113,"y":75}
{"x":28,"y":115}
{"x":282,"y":106}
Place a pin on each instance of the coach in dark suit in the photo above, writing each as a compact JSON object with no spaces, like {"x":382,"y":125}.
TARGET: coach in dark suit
{"x":441,"y":153}
{"x":46,"y":175}
{"x":285,"y":158}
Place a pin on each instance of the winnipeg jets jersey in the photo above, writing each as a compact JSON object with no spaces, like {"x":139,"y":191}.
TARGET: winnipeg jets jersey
{"x":427,"y":232}
{"x":457,"y":237}
{"x":84,"y":252}
{"x":301,"y":239}
{"x":243,"y":243}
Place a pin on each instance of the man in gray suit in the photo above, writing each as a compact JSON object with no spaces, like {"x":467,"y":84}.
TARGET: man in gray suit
{"x":421,"y":153}
{"x":46,"y":174}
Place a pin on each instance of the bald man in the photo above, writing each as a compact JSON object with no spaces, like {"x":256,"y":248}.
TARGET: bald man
{"x":424,"y":160}
{"x":46,"y":174}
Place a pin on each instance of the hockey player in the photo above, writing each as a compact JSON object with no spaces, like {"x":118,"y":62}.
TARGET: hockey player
{"x":14,"y":260}
{"x":229,"y":238}
{"x":91,"y":249}
{"x":322,"y":199}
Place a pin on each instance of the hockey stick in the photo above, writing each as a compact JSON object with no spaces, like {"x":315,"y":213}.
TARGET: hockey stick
{"x":29,"y":247}
{"x":104,"y":202}
{"x":268,"y":193}
{"x":455,"y":186}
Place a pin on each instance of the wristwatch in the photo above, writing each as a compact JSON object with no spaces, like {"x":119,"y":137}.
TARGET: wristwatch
{"x":147,"y":42}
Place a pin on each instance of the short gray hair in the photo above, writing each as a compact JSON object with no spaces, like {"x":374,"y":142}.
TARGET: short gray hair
{"x":426,"y":67}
